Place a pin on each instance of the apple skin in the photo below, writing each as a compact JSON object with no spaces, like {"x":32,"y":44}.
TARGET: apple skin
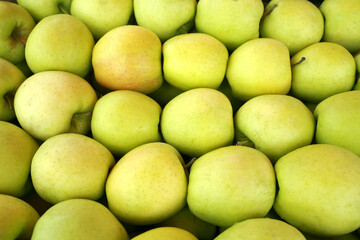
{"x":319,"y":190}
{"x":11,"y":78}
{"x":231,"y":184}
{"x":125,"y":119}
{"x":79,"y":219}
{"x":128,"y":58}
{"x":102,"y":16}
{"x":165,"y":233}
{"x":17,"y":218}
{"x":16,"y":25}
{"x":338,"y":120}
{"x":147,"y":185}
{"x":194,"y":60}
{"x":53,"y":102}
{"x":68,"y":40}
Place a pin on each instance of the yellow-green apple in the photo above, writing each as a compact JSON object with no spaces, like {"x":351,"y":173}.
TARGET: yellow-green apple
{"x":53,"y":102}
{"x":198,"y":121}
{"x":259,"y":66}
{"x":60,"y":42}
{"x":232,"y":22}
{"x":70,"y":165}
{"x":319,"y":189}
{"x":17,"y":149}
{"x":102,"y":16}
{"x":166,"y":18}
{"x":357,"y":61}
{"x":231,"y":184}
{"x":274,"y":124}
{"x":17,"y":218}
{"x":186,"y":220}
{"x":296,"y":23}
{"x":128,"y":57}
{"x":16,"y":25}
{"x":261,"y":228}
{"x":79,"y":219}
{"x":194,"y":60}
{"x":342,"y":23}
{"x":40,"y":9}
{"x":165,"y":93}
{"x":321,"y":70}
{"x":338,"y":120}
{"x":10,"y":78}
{"x":165,"y":233}
{"x":125,"y":119}
{"x":147,"y":185}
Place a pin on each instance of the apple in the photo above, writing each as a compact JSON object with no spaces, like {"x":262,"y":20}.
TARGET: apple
{"x":194,"y":60}
{"x":102,"y":16}
{"x":125,"y":119}
{"x":165,"y":233}
{"x":53,"y":102}
{"x":261,"y":228}
{"x":16,"y":25}
{"x":17,"y":218}
{"x":198,"y":121}
{"x":231,"y":184}
{"x":296,"y":23}
{"x":342,"y":23}
{"x":259,"y":66}
{"x":147,"y":185}
{"x":338,"y":120}
{"x":60,"y":42}
{"x":128,"y":57}
{"x":40,"y":9}
{"x":274,"y":124}
{"x":319,"y":189}
{"x":321,"y":70}
{"x":11,"y":78}
{"x":165,"y":18}
{"x":232,"y":22}
{"x":79,"y":219}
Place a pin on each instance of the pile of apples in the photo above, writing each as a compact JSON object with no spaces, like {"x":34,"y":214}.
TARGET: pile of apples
{"x":179,"y":119}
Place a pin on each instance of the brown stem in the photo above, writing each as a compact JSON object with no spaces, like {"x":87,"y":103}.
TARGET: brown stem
{"x":300,"y":61}
{"x":188,"y":165}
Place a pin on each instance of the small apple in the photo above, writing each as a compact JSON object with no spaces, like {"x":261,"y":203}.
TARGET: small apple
{"x":60,"y":42}
{"x":79,"y":219}
{"x":165,"y":233}
{"x":16,"y":25}
{"x":194,"y":60}
{"x":53,"y":102}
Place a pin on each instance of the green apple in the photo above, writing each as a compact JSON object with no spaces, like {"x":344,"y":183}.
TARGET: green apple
{"x":16,"y":25}
{"x":15,"y":164}
{"x":70,"y":165}
{"x":40,"y":9}
{"x":274,"y":124}
{"x":296,"y":23}
{"x":338,"y":120}
{"x":198,"y":121}
{"x":53,"y":102}
{"x":260,"y":229}
{"x":166,"y":18}
{"x":259,"y":66}
{"x":319,"y":189}
{"x":232,"y":22}
{"x":165,"y":233}
{"x":194,"y":60}
{"x":17,"y":218}
{"x":186,"y":220}
{"x":147,"y":185}
{"x":102,"y":16}
{"x":231,"y":184}
{"x":60,"y":42}
{"x":10,"y":78}
{"x":342,"y":23}
{"x":125,"y":119}
{"x":165,"y":93}
{"x":357,"y":61}
{"x":79,"y":219}
{"x":128,"y":57}
{"x":321,"y":70}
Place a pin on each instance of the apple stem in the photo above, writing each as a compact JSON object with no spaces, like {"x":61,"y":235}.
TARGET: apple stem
{"x":271,"y":9}
{"x":63,"y":9}
{"x":10,"y":100}
{"x":246,"y":143}
{"x":188,"y":165}
{"x":301,"y":60}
